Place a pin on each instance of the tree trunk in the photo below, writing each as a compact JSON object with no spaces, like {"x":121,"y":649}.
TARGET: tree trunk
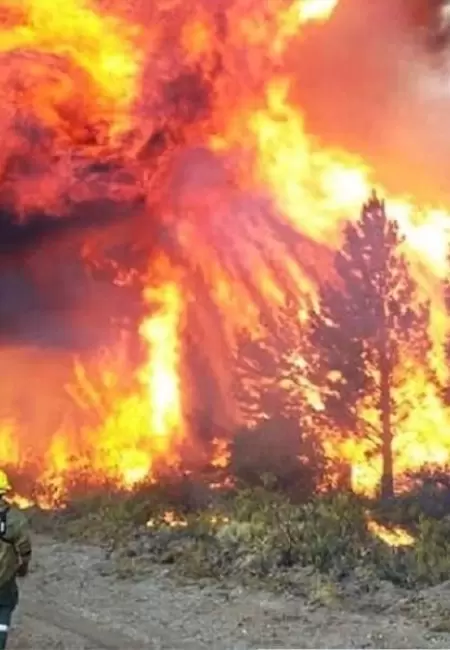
{"x":344,"y":476}
{"x":387,"y":477}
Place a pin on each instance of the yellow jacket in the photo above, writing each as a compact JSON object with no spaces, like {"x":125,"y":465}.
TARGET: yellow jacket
{"x":15,"y":544}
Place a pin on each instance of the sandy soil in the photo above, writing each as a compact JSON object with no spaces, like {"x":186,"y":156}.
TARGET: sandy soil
{"x":72,"y":600}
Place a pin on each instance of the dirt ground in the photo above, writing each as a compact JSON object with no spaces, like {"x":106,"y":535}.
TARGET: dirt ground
{"x":72,"y":600}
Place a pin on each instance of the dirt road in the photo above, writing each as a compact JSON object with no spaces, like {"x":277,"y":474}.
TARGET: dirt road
{"x":71,"y":600}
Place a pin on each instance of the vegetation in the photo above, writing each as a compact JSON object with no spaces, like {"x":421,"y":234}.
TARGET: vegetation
{"x":259,"y":534}
{"x":368,"y":329}
{"x":446,"y":382}
{"x":277,"y":447}
{"x":345,"y":371}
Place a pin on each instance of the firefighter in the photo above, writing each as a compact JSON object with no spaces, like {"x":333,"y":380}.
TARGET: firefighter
{"x":15,"y":555}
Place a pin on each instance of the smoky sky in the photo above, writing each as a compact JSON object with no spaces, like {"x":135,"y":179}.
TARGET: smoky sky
{"x":373,"y":81}
{"x":35,"y":312}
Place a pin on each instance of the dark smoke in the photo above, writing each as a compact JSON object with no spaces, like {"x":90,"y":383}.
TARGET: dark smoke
{"x":34,"y":312}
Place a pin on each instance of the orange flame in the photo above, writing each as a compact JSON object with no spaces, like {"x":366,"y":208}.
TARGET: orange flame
{"x":329,"y":184}
{"x":162,"y":374}
{"x":396,"y":536}
{"x":260,"y":149}
{"x":102,"y":46}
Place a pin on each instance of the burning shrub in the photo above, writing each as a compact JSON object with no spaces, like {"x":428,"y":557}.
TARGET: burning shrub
{"x":183,"y":494}
{"x":278,"y":449}
{"x":427,"y":499}
{"x":431,"y":494}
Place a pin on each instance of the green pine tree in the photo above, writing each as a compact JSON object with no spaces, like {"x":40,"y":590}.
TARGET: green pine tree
{"x":369,"y":327}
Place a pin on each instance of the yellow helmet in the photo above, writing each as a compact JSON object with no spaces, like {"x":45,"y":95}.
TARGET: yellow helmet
{"x":5,"y":485}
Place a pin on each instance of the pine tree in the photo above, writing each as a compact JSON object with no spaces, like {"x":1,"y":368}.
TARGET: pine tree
{"x":270,"y":390}
{"x":445,"y":386}
{"x":368,"y":328}
{"x":269,"y":367}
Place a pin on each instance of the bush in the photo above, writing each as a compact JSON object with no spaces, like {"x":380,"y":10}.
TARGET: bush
{"x":432,"y":551}
{"x":278,"y":448}
{"x":327,"y":533}
{"x":259,"y":533}
{"x":429,"y":497}
{"x":108,"y":518}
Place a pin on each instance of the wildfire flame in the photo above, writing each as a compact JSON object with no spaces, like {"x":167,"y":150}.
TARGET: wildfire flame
{"x":396,"y":536}
{"x":162,"y":374}
{"x":99,"y":45}
{"x":319,"y":10}
{"x":195,"y":111}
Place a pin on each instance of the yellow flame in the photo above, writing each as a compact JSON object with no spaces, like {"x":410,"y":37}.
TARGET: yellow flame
{"x":162,"y":375}
{"x":396,"y":536}
{"x":102,"y":45}
{"x":316,"y":10}
{"x":318,"y":190}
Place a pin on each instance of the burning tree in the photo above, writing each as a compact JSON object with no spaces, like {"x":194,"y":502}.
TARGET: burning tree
{"x":445,"y":386}
{"x":269,"y":367}
{"x":369,"y":329}
{"x":276,"y":439}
